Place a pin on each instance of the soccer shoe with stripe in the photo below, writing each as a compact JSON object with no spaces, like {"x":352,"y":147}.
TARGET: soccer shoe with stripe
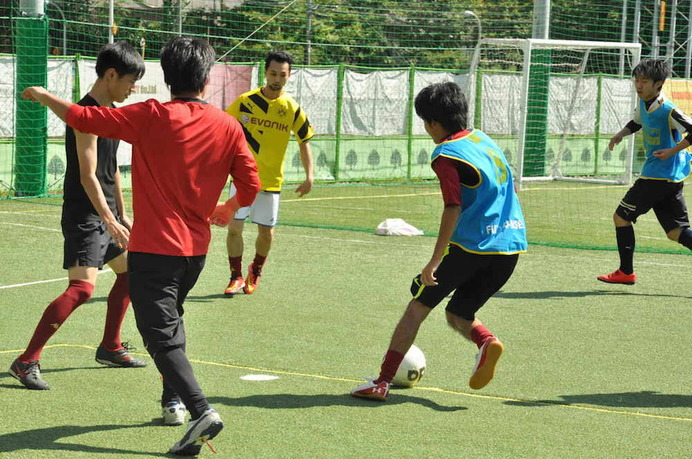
{"x":235,"y":285}
{"x":174,"y":414}
{"x":372,"y":391}
{"x":119,"y":358}
{"x":486,"y":361}
{"x":28,"y":374}
{"x":252,"y":281}
{"x":199,"y":432}
{"x":618,"y":277}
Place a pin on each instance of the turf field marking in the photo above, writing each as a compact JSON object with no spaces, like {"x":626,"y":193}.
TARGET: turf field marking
{"x":259,"y":378}
{"x":107,"y":270}
{"x":556,"y":403}
{"x":343,"y":198}
{"x":579,"y":188}
{"x":28,"y":212}
{"x":424,"y":243}
{"x":32,"y":227}
{"x":453,"y":392}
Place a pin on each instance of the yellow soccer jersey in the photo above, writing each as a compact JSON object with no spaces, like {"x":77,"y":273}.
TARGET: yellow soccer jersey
{"x":268,"y":125}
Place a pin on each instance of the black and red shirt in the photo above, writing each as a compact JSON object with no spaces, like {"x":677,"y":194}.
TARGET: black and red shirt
{"x":75,"y":198}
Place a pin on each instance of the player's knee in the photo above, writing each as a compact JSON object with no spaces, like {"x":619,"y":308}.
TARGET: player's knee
{"x":266,"y":235}
{"x":415,"y":313}
{"x":619,"y":221}
{"x":674,"y":235}
{"x":234,"y":232}
{"x":457,"y":322}
{"x":81,"y":292}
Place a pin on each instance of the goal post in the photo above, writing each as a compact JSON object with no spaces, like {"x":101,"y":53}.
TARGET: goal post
{"x":553,"y":105}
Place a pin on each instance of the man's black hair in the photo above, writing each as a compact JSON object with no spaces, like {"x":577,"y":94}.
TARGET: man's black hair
{"x":278,"y":56}
{"x":656,"y":69}
{"x":122,"y":57}
{"x":186,"y":63}
{"x":444,"y":103}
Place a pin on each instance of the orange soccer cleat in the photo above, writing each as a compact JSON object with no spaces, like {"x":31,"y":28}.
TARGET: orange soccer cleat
{"x":253,"y":280}
{"x":234,"y":286}
{"x":618,"y":277}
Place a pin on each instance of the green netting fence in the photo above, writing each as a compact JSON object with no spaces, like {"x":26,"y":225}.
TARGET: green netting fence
{"x":359,"y":65}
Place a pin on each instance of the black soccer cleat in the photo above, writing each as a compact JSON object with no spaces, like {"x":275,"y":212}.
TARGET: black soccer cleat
{"x":120,"y":358}
{"x":28,"y":374}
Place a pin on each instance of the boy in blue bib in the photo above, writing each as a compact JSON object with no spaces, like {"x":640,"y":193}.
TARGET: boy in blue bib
{"x":482,"y":232}
{"x":667,"y":165}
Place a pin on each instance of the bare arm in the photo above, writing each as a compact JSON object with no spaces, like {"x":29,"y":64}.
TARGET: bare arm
{"x":120,"y":201}
{"x":448,"y":223}
{"x":617,"y":138}
{"x":88,"y":156}
{"x":42,"y":96}
{"x":306,"y":159}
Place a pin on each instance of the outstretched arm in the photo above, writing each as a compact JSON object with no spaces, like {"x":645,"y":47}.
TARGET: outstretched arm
{"x":617,"y":138}
{"x":45,"y":98}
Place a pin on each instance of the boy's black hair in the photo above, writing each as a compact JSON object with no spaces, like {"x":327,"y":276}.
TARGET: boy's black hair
{"x":656,"y":69}
{"x":186,"y":63}
{"x":278,"y":56}
{"x":122,"y":57}
{"x":444,"y":103}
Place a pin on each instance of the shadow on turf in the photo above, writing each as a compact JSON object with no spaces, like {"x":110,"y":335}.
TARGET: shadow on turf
{"x":14,"y":384}
{"x":643,"y":399}
{"x":556,"y":294}
{"x":292,"y":401}
{"x":50,"y":438}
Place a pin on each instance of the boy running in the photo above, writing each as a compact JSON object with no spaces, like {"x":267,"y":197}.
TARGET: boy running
{"x":481,"y":234}
{"x":659,"y":186}
{"x":95,"y":226}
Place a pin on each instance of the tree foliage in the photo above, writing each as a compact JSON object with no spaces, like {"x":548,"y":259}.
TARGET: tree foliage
{"x":378,"y":33}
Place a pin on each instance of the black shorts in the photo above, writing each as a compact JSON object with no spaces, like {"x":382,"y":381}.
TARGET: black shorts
{"x":159,"y":285}
{"x":664,"y":197}
{"x":87,"y":242}
{"x":474,"y":279}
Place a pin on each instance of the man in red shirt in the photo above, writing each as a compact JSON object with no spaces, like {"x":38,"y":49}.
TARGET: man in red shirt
{"x":182,"y":154}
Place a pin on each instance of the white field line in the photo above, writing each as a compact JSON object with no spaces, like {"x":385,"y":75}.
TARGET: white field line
{"x":107,"y":270}
{"x":424,"y":243}
{"x":29,"y":212}
{"x":32,"y":227}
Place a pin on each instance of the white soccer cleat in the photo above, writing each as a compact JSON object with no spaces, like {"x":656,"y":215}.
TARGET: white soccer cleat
{"x":174,"y":414}
{"x":372,"y":391}
{"x":199,"y":432}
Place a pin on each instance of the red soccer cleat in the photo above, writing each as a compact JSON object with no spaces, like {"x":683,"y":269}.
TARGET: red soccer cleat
{"x":372,"y":391}
{"x":618,"y":277}
{"x":486,"y":361}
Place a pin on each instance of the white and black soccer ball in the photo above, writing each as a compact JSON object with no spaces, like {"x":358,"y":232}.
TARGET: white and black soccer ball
{"x":411,"y":369}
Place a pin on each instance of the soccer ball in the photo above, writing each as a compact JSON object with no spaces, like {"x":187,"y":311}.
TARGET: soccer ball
{"x":411,"y":369}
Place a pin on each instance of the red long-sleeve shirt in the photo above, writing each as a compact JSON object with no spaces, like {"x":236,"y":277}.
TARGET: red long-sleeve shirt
{"x":182,"y":154}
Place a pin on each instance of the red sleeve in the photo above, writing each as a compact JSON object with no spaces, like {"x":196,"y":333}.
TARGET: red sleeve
{"x":450,"y":181}
{"x":122,"y":123}
{"x":244,"y":170}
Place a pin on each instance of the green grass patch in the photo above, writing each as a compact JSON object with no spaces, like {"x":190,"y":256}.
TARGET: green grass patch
{"x":591,"y":370}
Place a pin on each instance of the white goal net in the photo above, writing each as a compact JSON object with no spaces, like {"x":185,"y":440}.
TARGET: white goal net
{"x":553,"y":106}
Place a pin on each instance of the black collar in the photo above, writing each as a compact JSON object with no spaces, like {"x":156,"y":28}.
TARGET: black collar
{"x":191,"y":99}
